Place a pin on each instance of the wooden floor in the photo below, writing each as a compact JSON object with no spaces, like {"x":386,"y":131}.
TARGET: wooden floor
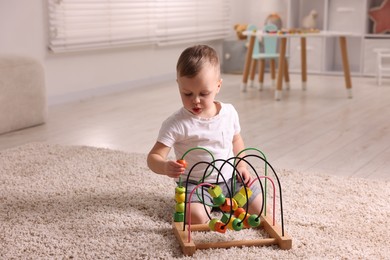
{"x":317,"y":130}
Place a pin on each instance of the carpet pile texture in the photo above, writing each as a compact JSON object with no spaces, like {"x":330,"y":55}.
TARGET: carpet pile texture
{"x":64,"y":202}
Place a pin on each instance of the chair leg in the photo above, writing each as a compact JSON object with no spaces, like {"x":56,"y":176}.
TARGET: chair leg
{"x":252,"y":72}
{"x":273,"y":74}
{"x":261,"y":74}
{"x":286,"y":74}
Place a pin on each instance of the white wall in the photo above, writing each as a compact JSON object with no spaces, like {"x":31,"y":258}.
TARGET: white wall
{"x":78,"y":75}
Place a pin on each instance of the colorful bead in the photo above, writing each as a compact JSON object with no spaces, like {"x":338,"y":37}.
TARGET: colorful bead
{"x":180,"y":189}
{"x":238,"y":212}
{"x":180,"y":207}
{"x":225,"y":218}
{"x":180,"y":197}
{"x":218,"y":201}
{"x":212,"y":223}
{"x":240,"y":199}
{"x":230,"y":224}
{"x":248,"y":190}
{"x":220,"y":227}
{"x":215,"y":191}
{"x":237,"y":224}
{"x":244,"y":216}
{"x":229,"y":205}
{"x":178,"y":217}
{"x":254,"y":220}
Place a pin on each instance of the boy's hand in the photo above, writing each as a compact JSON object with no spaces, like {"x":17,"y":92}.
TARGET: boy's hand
{"x":245,"y":174}
{"x":173,"y":169}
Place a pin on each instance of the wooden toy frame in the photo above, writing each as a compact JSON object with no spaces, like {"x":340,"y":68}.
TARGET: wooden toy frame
{"x":189,"y":246}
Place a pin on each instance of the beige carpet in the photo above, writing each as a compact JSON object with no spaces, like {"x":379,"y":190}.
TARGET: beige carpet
{"x":61,"y":202}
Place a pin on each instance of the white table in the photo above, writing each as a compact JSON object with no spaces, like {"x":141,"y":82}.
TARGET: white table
{"x":282,"y":52}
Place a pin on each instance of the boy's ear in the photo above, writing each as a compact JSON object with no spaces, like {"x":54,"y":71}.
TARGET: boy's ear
{"x":219,"y":84}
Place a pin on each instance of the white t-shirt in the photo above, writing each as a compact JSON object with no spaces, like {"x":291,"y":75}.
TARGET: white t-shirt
{"x":184,"y":130}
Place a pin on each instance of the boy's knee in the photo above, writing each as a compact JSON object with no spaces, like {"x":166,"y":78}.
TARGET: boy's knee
{"x":198,"y":214}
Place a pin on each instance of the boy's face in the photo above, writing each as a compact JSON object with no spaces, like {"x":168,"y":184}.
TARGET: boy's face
{"x":198,"y":93}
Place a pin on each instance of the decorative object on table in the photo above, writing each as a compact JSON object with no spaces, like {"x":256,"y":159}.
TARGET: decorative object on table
{"x":240,"y":28}
{"x":275,"y":19}
{"x":381,"y":17}
{"x":310,"y":21}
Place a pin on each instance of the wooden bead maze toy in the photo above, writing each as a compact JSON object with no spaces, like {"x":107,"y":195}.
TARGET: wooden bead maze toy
{"x":234,"y":207}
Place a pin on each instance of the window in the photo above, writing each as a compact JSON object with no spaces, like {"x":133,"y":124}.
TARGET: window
{"x":94,"y":24}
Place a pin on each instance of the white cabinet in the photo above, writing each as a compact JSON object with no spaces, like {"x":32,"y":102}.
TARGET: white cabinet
{"x":314,"y":55}
{"x":323,"y":54}
{"x":370,"y":45}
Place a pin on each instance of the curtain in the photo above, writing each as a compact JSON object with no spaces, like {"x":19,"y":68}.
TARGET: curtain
{"x":76,"y":25}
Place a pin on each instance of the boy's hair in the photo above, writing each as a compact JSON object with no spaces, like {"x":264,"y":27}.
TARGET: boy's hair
{"x":193,"y":58}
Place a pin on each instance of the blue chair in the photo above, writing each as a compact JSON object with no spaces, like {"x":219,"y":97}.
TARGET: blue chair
{"x":267,"y":52}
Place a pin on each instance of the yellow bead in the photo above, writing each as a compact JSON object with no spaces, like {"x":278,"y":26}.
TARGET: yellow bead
{"x":234,"y":204}
{"x":215,"y":191}
{"x":242,"y":191}
{"x":230,"y":224}
{"x":240,"y":199}
{"x":180,"y":197}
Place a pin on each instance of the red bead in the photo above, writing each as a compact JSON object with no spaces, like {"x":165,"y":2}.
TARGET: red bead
{"x":238,"y":212}
{"x":212,"y":224}
{"x":220,"y":227}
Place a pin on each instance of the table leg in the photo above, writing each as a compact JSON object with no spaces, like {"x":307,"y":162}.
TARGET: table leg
{"x":282,"y":55}
{"x":347,"y":74}
{"x":248,"y":60}
{"x":303,"y":63}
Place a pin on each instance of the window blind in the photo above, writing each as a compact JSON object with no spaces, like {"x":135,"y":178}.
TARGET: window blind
{"x":95,"y":24}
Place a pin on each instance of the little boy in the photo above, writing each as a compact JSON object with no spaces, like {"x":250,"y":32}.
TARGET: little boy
{"x":201,"y":122}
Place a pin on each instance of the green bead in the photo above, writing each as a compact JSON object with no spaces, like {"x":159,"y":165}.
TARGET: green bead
{"x":178,"y":217}
{"x":180,"y":207}
{"x":218,"y":201}
{"x":254,"y":220}
{"x":237,"y":224}
{"x":225,"y":218}
{"x":180,"y":189}
{"x":212,"y":224}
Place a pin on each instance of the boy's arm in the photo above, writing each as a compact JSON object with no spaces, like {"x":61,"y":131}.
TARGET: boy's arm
{"x":158,"y":163}
{"x":238,"y":146}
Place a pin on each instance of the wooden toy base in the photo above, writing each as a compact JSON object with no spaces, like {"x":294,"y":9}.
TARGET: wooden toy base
{"x":274,"y":231}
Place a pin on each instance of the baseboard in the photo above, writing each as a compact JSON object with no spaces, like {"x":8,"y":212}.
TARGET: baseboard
{"x":106,"y":90}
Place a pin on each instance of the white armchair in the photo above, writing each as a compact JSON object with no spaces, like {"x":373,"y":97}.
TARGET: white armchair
{"x":383,"y":64}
